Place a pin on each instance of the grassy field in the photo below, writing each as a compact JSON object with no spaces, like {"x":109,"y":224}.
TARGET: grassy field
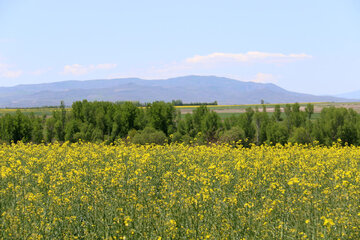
{"x":318,"y":106}
{"x":226,"y":115}
{"x":36,"y":111}
{"x":228,"y":110}
{"x":97,"y":191}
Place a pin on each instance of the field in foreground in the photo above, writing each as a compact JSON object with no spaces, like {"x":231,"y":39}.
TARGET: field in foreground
{"x":95,"y":191}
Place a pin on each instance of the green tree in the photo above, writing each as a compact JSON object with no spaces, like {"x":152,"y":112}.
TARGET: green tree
{"x":7,"y":128}
{"x":162,"y":116}
{"x":210,"y":125}
{"x":277,"y":113}
{"x":309,"y":109}
{"x":276,"y":132}
{"x":246,"y":123}
{"x":60,"y":119}
{"x":49,"y":130}
{"x":261,"y":120}
{"x":337,"y":123}
{"x":71,"y":128}
{"x":300,"y":135}
{"x":233,"y":135}
{"x":22,"y":127}
{"x":37,"y":130}
{"x":198,"y":115}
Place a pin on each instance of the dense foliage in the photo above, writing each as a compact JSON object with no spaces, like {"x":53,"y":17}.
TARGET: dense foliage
{"x":177,"y":191}
{"x":160,"y":122}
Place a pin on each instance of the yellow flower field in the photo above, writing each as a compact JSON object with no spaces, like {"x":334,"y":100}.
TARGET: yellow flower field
{"x":97,"y":191}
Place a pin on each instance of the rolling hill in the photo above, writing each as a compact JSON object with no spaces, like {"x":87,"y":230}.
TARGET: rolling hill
{"x":187,"y":88}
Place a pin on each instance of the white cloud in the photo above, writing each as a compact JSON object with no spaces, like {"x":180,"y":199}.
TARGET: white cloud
{"x":106,"y":66}
{"x":3,"y":67}
{"x":264,"y":78}
{"x":12,"y":74}
{"x":41,"y":71}
{"x":221,"y":64}
{"x":232,"y":65}
{"x":7,"y":72}
{"x":77,"y":69}
{"x":247,"y":57}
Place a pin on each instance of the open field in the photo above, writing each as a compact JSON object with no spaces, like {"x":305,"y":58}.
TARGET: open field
{"x":229,"y":114}
{"x":97,"y":191}
{"x":225,"y":111}
{"x":36,"y":111}
{"x":269,"y":107}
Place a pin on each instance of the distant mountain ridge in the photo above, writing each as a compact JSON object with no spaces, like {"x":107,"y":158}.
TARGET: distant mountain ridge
{"x":354,"y":95}
{"x":187,"y":89}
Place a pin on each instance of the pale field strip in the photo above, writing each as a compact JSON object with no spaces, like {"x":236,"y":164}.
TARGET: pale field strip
{"x":269,"y":107}
{"x":216,"y":108}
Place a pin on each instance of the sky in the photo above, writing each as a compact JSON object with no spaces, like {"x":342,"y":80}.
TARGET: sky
{"x":309,"y":46}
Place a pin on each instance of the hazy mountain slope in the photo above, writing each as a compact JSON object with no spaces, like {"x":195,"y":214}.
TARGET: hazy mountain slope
{"x":188,"y":89}
{"x":354,"y":95}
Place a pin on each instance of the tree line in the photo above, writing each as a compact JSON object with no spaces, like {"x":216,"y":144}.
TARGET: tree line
{"x":161,"y":122}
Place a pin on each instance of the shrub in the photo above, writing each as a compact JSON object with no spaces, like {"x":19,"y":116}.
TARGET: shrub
{"x":149,"y":135}
{"x":300,"y":135}
{"x":233,"y":135}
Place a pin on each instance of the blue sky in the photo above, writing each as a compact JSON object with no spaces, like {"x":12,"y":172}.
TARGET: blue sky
{"x":310,"y":46}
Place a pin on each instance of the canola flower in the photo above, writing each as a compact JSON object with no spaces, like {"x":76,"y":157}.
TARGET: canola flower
{"x":125,"y":191}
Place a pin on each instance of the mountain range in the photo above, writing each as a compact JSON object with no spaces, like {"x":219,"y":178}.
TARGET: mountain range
{"x":187,"y":88}
{"x":353,"y":95}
